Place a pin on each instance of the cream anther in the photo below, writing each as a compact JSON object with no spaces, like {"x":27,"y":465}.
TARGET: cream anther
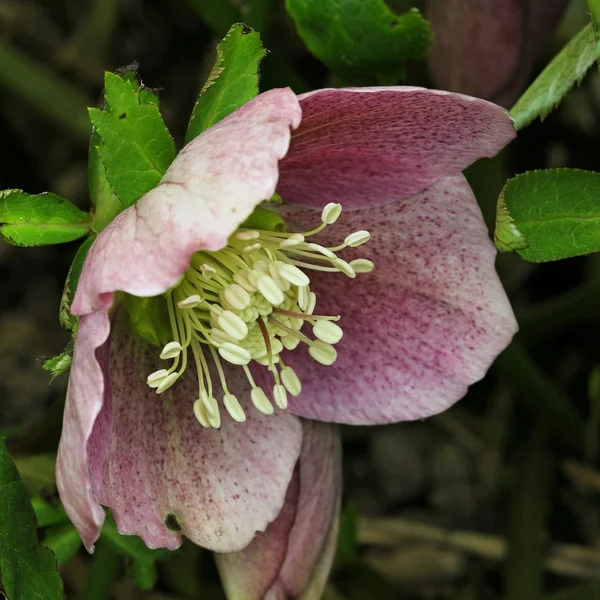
{"x":232,"y":325}
{"x":167,"y":382}
{"x":207,"y":270}
{"x":312,"y":303}
{"x":344,"y":267}
{"x":321,"y":250}
{"x":270,"y":290}
{"x":323,"y":353}
{"x":200,"y":413}
{"x":247,"y":235}
{"x":280,"y":396}
{"x":290,"y":342}
{"x":331,"y":213}
{"x":261,"y":402}
{"x":155,"y":378}
{"x":303,"y":297}
{"x":328,"y":332}
{"x":357,"y":238}
{"x":252,"y":248}
{"x":235,"y":296}
{"x":293,"y":240}
{"x":171,"y":350}
{"x":190,"y":302}
{"x":234,"y":354}
{"x":234,"y":408}
{"x":362,"y":265}
{"x":294,"y":275}
{"x":290,"y":381}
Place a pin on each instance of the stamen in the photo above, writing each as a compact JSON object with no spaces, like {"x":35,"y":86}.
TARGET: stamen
{"x":280,"y":396}
{"x":362,"y":265}
{"x":234,"y":408}
{"x":249,"y":302}
{"x":167,"y":382}
{"x":261,"y":402}
{"x":155,"y":378}
{"x":234,"y":354}
{"x":247,"y":235}
{"x":190,"y":302}
{"x":293,"y":240}
{"x":344,"y":267}
{"x":290,"y":381}
{"x":232,"y":325}
{"x":323,"y":353}
{"x":331,"y":213}
{"x":328,"y":332}
{"x":270,"y":290}
{"x":200,"y":413}
{"x":358,"y":238}
{"x":171,"y":350}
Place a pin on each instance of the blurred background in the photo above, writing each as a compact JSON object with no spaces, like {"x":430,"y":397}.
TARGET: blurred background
{"x":496,"y":498}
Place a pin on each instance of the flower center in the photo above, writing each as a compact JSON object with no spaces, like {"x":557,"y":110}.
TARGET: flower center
{"x":248,"y":302}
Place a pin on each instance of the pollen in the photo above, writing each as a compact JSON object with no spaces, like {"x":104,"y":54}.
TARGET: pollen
{"x":249,"y":303}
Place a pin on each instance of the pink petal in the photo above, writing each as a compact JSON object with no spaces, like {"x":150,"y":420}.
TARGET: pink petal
{"x":295,"y":553}
{"x":419,"y":329}
{"x":213,"y":185}
{"x":151,"y":461}
{"x":83,"y":405}
{"x":487,"y":48}
{"x":370,"y":146}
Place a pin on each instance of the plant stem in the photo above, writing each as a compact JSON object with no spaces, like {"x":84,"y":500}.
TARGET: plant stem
{"x":525,"y":553}
{"x":103,"y":569}
{"x":45,"y":91}
{"x":542,"y":397}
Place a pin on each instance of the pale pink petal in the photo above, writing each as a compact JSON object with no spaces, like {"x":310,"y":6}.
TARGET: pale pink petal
{"x":487,"y":48}
{"x":295,"y":553}
{"x":154,"y":465}
{"x":83,"y":405}
{"x":213,"y":185}
{"x":370,"y":146}
{"x":419,"y":329}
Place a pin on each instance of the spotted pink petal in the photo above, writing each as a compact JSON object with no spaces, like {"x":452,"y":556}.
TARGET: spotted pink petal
{"x":292,"y":558}
{"x":213,"y":185}
{"x":487,"y":48}
{"x":419,"y":329}
{"x":370,"y":146}
{"x":159,"y":471}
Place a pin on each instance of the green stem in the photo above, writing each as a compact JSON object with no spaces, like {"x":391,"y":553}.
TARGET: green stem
{"x":45,"y":91}
{"x":219,"y":15}
{"x":546,"y":317}
{"x":103,"y":570}
{"x":525,"y":555}
{"x":542,"y":397}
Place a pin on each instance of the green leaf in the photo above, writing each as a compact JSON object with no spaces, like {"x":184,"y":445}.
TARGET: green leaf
{"x":566,"y":69}
{"x":104,"y":200}
{"x":59,"y":364}
{"x":588,"y":591}
{"x":232,"y":82}
{"x":66,"y":319}
{"x":550,"y":215}
{"x":46,"y":513}
{"x":64,"y":540}
{"x":41,"y":220}
{"x":347,"y":548}
{"x":29,"y":570}
{"x":136,"y":148}
{"x":129,"y":544}
{"x":361,"y":40}
{"x":144,"y":573}
{"x":37,"y":472}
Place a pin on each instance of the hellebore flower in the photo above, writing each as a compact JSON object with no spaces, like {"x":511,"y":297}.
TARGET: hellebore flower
{"x":210,"y":446}
{"x":488,"y":48}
